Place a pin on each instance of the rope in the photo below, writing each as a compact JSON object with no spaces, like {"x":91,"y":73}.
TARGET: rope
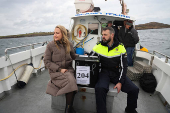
{"x":86,"y":41}
{"x":39,"y":65}
{"x":82,"y":40}
{"x":13,"y":72}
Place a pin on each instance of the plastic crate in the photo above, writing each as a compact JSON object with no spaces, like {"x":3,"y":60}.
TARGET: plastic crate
{"x":133,"y":74}
{"x":142,"y":67}
{"x":84,"y":101}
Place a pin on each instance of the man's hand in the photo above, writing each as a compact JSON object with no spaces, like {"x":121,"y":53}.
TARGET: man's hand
{"x":63,"y":70}
{"x":118,"y":86}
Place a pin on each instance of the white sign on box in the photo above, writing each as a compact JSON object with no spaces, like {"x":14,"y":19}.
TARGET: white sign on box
{"x":83,"y":75}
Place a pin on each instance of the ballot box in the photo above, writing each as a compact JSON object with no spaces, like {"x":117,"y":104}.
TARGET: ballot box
{"x":86,"y":70}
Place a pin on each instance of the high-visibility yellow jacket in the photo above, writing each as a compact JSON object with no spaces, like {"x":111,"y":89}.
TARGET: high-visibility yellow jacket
{"x":112,"y":59}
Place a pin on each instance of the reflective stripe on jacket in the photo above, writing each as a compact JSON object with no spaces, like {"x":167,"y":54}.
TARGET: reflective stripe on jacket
{"x":113,"y":59}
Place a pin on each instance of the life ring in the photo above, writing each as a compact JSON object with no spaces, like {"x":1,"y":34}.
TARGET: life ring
{"x":78,"y":33}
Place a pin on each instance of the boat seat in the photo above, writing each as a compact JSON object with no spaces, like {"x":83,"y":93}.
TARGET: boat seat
{"x":84,"y":101}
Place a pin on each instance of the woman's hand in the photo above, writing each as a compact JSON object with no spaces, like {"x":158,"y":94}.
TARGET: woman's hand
{"x":63,"y":70}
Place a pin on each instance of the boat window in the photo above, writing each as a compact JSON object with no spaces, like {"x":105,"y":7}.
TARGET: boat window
{"x":82,"y":21}
{"x":94,"y":27}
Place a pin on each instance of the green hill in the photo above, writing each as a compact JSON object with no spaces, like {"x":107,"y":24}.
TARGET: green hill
{"x":28,"y":35}
{"x":151,"y":25}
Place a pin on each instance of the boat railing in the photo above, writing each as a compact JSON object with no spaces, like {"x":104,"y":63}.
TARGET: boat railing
{"x":32,"y":46}
{"x":166,"y":57}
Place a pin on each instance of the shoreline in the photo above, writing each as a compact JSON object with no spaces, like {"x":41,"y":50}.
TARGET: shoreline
{"x":27,"y":35}
{"x":51,"y":33}
{"x":149,"y":28}
{"x":151,"y":25}
{"x":146,"y":26}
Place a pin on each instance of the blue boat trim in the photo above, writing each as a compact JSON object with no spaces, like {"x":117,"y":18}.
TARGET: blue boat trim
{"x":100,"y":13}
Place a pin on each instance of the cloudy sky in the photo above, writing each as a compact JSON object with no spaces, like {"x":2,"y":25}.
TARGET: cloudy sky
{"x":27,"y":16}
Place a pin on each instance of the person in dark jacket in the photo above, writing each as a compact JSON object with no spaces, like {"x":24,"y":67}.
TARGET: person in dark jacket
{"x":122,"y":31}
{"x":112,"y":55}
{"x":110,"y":24}
{"x":129,"y":37}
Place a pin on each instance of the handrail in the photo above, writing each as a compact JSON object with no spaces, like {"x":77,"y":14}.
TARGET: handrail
{"x":167,"y":57}
{"x":24,"y":46}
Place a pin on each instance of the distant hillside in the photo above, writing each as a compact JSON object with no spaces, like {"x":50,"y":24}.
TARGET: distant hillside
{"x":151,"y":25}
{"x":27,"y":35}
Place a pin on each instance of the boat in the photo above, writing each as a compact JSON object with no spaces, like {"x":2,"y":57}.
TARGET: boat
{"x":27,"y":69}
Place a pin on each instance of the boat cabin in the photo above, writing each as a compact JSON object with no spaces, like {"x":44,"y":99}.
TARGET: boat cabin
{"x":87,"y":27}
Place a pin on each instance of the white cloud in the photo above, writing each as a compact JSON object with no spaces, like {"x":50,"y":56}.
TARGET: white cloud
{"x":26,"y":16}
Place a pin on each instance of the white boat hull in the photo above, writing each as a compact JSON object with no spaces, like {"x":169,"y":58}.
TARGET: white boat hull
{"x":160,"y":70}
{"x":18,"y":59}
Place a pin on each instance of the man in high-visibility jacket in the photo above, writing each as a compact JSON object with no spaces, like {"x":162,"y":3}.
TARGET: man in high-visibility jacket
{"x":113,"y":59}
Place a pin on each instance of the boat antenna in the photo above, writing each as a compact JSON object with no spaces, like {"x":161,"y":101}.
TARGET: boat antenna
{"x":124,"y":7}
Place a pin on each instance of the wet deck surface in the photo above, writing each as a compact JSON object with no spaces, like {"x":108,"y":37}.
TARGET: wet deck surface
{"x":33,"y":99}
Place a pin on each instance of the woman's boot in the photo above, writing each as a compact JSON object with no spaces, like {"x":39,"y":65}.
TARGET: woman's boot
{"x":69,"y":102}
{"x":69,"y":109}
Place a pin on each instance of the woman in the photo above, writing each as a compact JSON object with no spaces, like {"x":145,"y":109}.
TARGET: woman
{"x":58,"y":59}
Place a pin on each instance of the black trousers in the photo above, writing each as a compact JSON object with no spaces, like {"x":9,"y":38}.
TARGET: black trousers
{"x":102,"y":87}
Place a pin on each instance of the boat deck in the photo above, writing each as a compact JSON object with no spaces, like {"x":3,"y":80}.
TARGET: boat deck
{"x":33,"y":99}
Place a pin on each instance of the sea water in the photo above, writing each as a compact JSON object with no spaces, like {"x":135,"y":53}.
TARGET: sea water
{"x":156,"y":40}
{"x":152,"y":39}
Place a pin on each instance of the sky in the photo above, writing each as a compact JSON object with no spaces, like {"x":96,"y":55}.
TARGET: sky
{"x":28,"y":16}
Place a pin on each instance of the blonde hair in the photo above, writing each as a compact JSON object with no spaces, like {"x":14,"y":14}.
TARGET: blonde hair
{"x":64,"y":39}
